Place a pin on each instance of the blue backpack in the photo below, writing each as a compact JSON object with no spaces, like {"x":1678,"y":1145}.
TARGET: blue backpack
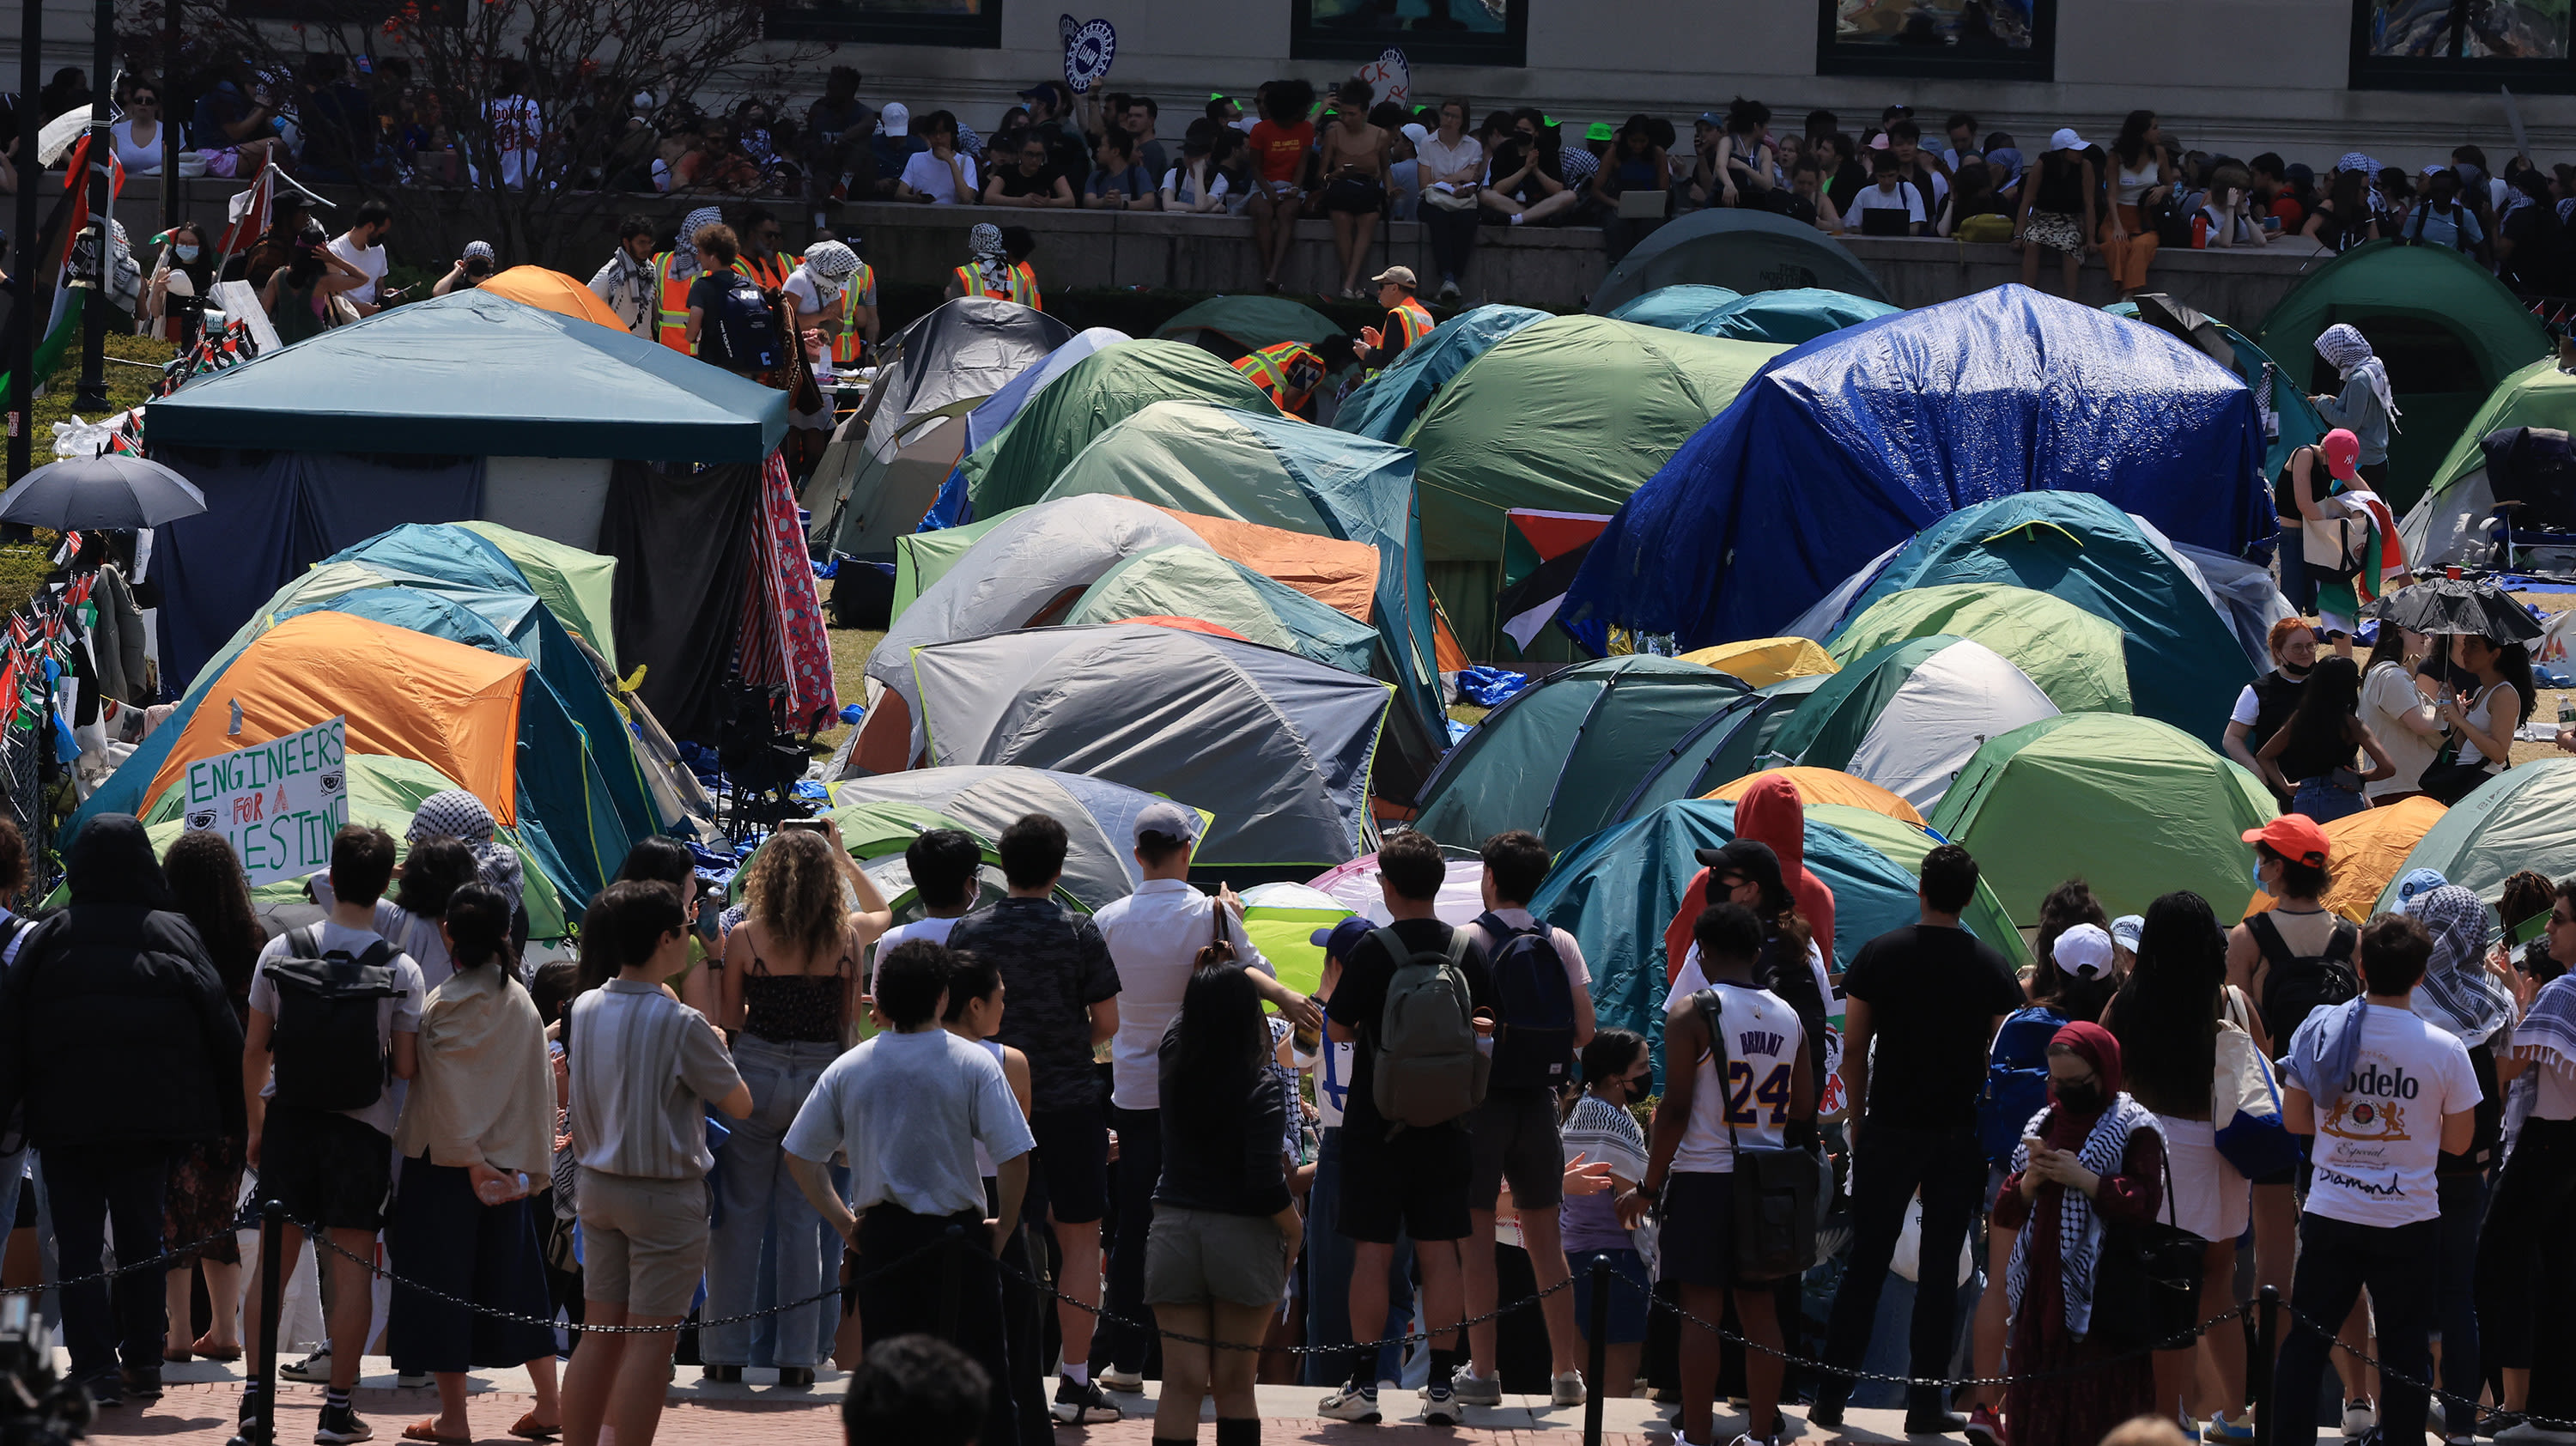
{"x":1534,"y":1035}
{"x":2016,"y":1079}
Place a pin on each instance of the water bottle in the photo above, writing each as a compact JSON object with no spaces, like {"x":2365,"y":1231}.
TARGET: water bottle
{"x":499,"y":1192}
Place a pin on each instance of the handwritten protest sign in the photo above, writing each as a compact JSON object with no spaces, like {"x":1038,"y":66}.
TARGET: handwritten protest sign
{"x":277,"y":803}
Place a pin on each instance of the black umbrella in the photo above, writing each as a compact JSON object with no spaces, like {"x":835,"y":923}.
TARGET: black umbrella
{"x":2456,"y":606}
{"x":116,"y":491}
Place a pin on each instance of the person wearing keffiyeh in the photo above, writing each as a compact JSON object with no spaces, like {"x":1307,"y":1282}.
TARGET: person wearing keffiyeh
{"x":2526,"y":1253}
{"x":2366,"y":407}
{"x":2094,"y":1157}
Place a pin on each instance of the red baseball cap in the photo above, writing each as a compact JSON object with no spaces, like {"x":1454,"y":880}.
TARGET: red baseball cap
{"x":2294,"y":836}
{"x":2343,"y":455}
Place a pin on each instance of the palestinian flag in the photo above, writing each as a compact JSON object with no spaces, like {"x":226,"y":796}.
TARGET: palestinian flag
{"x":1542,"y":551}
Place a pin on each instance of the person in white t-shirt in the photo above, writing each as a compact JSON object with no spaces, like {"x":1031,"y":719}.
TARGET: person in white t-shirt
{"x":942,"y":174}
{"x":1691,"y":1161}
{"x":1514,"y":1134}
{"x":1154,"y":937}
{"x":1890,"y":193}
{"x":363,"y":246}
{"x":2385,"y":1094}
{"x":945,"y":864}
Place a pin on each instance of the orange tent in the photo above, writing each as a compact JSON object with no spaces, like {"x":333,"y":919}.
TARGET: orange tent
{"x":1340,"y":575}
{"x":2364,"y":851}
{"x":553,"y":291}
{"x":1828,"y":785}
{"x":406,"y":694}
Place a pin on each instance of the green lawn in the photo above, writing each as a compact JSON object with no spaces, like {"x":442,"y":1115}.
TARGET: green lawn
{"x":22,"y":567}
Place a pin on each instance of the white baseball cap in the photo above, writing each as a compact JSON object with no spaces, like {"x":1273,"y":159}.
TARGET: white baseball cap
{"x":1415,"y":131}
{"x":2084,"y":951}
{"x":2065,"y":139}
{"x":896,"y":118}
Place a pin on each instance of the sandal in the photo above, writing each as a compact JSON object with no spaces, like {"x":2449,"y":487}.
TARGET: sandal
{"x":177,"y":1357}
{"x":426,"y":1429}
{"x":529,"y":1428}
{"x":215,"y":1353}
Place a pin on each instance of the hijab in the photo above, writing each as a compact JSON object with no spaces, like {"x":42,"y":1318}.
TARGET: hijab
{"x":830,"y":265}
{"x":984,"y":243}
{"x":2349,"y":353}
{"x":2099,"y":1048}
{"x":2457,"y":994}
{"x":112,"y":863}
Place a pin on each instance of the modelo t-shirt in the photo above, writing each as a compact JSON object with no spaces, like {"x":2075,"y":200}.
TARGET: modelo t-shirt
{"x":2378,"y":1142}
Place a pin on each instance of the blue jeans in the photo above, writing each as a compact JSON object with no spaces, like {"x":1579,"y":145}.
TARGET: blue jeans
{"x":1328,"y":1278}
{"x":2323,"y":800}
{"x":759,"y":1199}
{"x":2455,"y":1282}
{"x":2337,"y":1260}
{"x":1629,"y":1291}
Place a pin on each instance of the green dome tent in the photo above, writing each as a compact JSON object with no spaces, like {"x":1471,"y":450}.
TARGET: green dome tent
{"x":1909,"y":716}
{"x":1744,"y":249}
{"x":2075,"y":657}
{"x":1673,"y":308}
{"x":2448,"y":330}
{"x":1905,"y":844}
{"x":1721,"y":748}
{"x":1230,"y":326}
{"x":1571,"y":414}
{"x":2446,"y":526}
{"x":2523,"y":818}
{"x":2135,"y":807}
{"x":2183,"y":660}
{"x":1561,"y":754}
{"x":877,"y":831}
{"x":1383,"y":407}
{"x":1615,"y":892}
{"x":1790,"y":317}
{"x":1099,"y":816}
{"x":1016,"y":467}
{"x":1192,"y":582}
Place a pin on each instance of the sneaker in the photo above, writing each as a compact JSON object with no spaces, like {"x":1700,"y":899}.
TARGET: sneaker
{"x":412,"y":1380}
{"x":1828,"y":1408}
{"x":1081,"y":1403}
{"x":1985,"y":1428}
{"x":2222,"y":1429}
{"x":106,"y":1390}
{"x":1566,"y":1390}
{"x":314,"y":1369}
{"x":2494,"y":1423}
{"x":1475,"y":1390}
{"x":2358,"y":1417}
{"x":339,"y":1425}
{"x":1932,"y":1423}
{"x":143,"y":1384}
{"x":1779,"y":1435}
{"x":1127,"y":1383}
{"x":1353,"y":1402}
{"x":1440,"y":1406}
{"x":2532,"y":1434}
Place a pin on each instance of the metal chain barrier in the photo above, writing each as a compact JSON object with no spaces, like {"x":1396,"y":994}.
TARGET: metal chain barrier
{"x":165,"y":1260}
{"x":2448,"y":1399}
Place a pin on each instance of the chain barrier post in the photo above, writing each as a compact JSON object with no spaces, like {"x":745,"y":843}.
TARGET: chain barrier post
{"x":2267,"y":1345}
{"x":1597,"y":1363}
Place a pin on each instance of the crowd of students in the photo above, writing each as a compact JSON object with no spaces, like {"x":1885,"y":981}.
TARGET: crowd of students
{"x":1130,"y":1108}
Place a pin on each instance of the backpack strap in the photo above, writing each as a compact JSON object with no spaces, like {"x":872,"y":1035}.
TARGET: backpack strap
{"x":2347,"y":937}
{"x":2267,"y":937}
{"x":1712,"y":1010}
{"x":304,"y":943}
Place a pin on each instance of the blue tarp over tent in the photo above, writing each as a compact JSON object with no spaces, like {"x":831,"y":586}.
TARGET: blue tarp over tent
{"x":1385,"y":405}
{"x":1849,"y":445}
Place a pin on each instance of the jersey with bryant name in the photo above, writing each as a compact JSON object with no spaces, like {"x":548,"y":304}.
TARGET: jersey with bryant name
{"x":1763,"y":1043}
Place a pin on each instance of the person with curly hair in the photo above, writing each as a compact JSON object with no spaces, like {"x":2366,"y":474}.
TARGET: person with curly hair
{"x":790,"y":991}
{"x":206,"y":880}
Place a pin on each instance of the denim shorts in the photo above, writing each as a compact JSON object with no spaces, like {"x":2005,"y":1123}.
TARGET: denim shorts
{"x":1629,"y":1290}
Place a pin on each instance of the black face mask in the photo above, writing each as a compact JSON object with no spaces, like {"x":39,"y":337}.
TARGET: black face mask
{"x":2080,"y":1099}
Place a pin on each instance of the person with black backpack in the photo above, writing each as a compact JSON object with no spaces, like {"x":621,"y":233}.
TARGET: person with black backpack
{"x":733,"y":324}
{"x":334,"y":1020}
{"x":117,"y":1039}
{"x":1417,"y":998}
{"x":1543,"y":1015}
{"x":2293,"y":959}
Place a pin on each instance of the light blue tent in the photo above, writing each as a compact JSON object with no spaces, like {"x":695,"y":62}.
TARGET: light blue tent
{"x":1674,"y":308}
{"x":1385,"y":405}
{"x":1798,"y":314}
{"x":2185,"y":664}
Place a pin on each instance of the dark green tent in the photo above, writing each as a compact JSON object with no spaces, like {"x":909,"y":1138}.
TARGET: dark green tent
{"x":1745,"y":251}
{"x":1113,"y":383}
{"x":1233,"y":325}
{"x":474,"y":375}
{"x":2449,"y":332}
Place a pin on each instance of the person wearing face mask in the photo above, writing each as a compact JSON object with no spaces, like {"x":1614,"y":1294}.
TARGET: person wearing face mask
{"x":175,"y":303}
{"x":2267,"y":703}
{"x":2095,"y":1157}
{"x":1618,"y":1071}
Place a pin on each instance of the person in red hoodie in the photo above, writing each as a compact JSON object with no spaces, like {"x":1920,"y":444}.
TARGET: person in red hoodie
{"x":1771,"y":813}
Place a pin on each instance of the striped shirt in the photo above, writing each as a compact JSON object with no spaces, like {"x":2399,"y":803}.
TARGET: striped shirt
{"x":643,"y":1064}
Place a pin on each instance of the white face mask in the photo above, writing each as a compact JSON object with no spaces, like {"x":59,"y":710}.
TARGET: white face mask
{"x":184,"y":251}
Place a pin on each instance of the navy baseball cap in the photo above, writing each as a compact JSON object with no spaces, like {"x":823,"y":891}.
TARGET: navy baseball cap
{"x":1343,"y":937}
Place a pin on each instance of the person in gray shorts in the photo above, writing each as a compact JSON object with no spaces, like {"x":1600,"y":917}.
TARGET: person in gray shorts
{"x":1225,"y":1230}
{"x":643,"y":1068}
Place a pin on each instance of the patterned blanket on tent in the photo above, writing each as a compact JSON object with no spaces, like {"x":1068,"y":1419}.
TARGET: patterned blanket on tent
{"x":782,"y":615}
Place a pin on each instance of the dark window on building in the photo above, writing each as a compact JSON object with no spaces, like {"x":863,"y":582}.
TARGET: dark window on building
{"x":973,"y":23}
{"x":1429,"y":32}
{"x":2461,"y":45}
{"x":1972,"y":39}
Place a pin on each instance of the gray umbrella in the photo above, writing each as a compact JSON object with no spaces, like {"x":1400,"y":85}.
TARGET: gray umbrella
{"x":116,"y":491}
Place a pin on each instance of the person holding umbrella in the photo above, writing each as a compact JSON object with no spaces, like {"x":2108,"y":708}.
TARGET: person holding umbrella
{"x":2482,"y":720}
